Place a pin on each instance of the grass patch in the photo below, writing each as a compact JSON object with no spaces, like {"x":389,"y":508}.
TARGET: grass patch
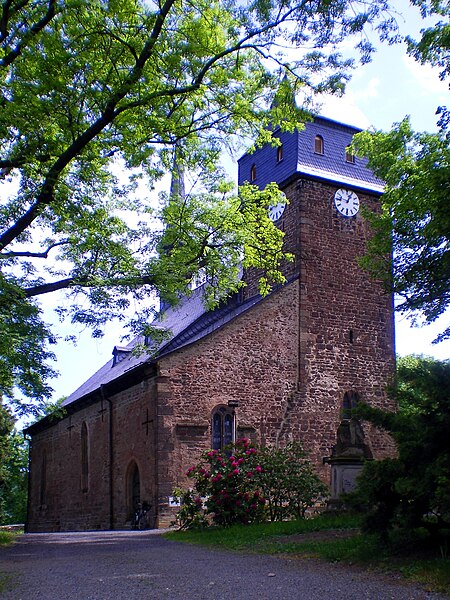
{"x":7,"y":537}
{"x":434,"y":574}
{"x":334,"y":538}
{"x":240,"y":537}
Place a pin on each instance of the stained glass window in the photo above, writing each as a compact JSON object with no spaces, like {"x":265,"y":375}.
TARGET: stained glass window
{"x":223,"y":427}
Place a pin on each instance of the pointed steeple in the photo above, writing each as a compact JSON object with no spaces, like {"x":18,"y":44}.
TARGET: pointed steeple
{"x":177,"y":191}
{"x":177,"y":188}
{"x":283,"y":103}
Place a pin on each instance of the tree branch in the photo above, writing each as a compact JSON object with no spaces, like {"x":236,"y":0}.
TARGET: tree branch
{"x":45,"y":197}
{"x":72,"y":282}
{"x":34,"y":30}
{"x":33,"y":254}
{"x":111,"y":111}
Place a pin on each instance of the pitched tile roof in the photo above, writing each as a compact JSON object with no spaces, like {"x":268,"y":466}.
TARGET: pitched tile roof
{"x":300,"y":158}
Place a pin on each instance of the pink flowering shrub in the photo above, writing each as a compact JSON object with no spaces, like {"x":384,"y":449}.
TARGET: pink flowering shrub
{"x":245,"y":484}
{"x":225,"y":479}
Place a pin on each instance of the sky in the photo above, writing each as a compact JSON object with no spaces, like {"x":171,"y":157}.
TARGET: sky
{"x":380,"y":93}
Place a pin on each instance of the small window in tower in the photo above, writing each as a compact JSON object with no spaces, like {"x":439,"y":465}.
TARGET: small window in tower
{"x":349,"y":403}
{"x":279,"y":153}
{"x":349,"y":156}
{"x":318,"y":145}
{"x":253,"y":173}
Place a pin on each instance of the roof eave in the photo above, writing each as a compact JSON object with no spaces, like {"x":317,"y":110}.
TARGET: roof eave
{"x":148,"y":370}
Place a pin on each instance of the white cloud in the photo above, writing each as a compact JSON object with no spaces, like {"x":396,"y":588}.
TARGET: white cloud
{"x":371,"y":91}
{"x":343,"y":109}
{"x":427,"y":78}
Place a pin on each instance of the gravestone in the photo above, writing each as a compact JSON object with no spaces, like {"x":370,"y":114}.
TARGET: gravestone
{"x":347,"y":459}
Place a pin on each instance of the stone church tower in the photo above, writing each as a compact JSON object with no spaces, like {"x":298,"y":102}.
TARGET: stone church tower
{"x":345,"y":321}
{"x":288,"y":366}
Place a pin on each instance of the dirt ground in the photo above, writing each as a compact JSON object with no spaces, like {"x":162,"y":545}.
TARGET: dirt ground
{"x":142,"y":565}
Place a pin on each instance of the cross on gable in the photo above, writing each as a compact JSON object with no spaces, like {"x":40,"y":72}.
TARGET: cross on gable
{"x":70,"y":427}
{"x":146,"y":423}
{"x":102,"y":410}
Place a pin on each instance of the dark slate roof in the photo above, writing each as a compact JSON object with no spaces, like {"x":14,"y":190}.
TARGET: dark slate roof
{"x":299,"y":158}
{"x":187,"y":323}
{"x":174,"y":319}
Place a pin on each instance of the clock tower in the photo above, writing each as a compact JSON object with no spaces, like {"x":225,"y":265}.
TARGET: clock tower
{"x":345,"y":328}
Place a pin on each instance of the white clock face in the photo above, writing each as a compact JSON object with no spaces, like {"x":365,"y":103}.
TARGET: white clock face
{"x":276,"y":210}
{"x":346,"y":202}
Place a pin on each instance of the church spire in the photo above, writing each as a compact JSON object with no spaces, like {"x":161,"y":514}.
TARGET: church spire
{"x":177,"y":191}
{"x":177,"y":188}
{"x":284,"y":104}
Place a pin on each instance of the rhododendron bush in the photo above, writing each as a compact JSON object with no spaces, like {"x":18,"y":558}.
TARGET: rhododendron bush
{"x":247,"y":484}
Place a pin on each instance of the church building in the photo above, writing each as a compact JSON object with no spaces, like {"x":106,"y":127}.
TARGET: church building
{"x":283,"y":367}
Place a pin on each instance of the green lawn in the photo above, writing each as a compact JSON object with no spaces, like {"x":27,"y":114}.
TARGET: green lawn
{"x":334,"y":538}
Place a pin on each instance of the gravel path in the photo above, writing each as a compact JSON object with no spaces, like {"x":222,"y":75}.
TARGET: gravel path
{"x":145,"y":566}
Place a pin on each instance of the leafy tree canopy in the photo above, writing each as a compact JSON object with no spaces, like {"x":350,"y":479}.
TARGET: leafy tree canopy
{"x":96,"y":95}
{"x":415,"y":167}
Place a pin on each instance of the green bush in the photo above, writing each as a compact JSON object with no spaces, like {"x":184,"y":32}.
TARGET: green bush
{"x":413,"y":490}
{"x":288,"y":482}
{"x":245,"y":484}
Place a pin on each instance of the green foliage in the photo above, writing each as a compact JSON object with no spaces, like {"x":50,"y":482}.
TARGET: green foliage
{"x":13,"y":471}
{"x":434,"y":42}
{"x":94,"y":99}
{"x":6,"y":538}
{"x":245,"y":484}
{"x":289,"y":482}
{"x":412,"y":490}
{"x":190,"y":515}
{"x":415,"y":167}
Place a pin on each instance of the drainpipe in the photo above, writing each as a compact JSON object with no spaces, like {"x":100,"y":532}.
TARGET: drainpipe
{"x":111,"y":456}
{"x":29,"y":440}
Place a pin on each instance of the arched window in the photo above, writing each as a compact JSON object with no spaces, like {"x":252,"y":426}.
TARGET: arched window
{"x":133,"y":487}
{"x":279,"y":153}
{"x":253,"y":173}
{"x":350,"y":402}
{"x":84,"y":458}
{"x":43,"y":486}
{"x":223,"y":427}
{"x":318,"y":144}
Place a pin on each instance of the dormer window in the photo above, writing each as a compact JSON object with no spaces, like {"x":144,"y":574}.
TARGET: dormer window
{"x":253,"y":173}
{"x":318,"y":145}
{"x":120,"y":353}
{"x":349,"y":156}
{"x":279,"y":153}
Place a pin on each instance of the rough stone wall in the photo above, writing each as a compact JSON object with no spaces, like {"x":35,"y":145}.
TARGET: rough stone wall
{"x":58,"y":501}
{"x":345,"y":322}
{"x":346,"y":327}
{"x":253,"y":360}
{"x":134,"y":442}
